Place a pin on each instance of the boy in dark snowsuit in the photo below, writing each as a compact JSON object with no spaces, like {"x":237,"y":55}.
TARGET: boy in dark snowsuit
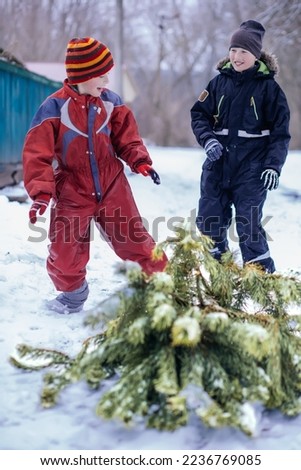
{"x":87,"y":130}
{"x":242,"y":121}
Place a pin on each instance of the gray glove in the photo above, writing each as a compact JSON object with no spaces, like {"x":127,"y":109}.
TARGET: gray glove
{"x":213,"y":149}
{"x":270,"y":179}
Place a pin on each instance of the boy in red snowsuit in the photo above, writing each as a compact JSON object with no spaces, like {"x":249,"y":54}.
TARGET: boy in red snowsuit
{"x":86,"y":130}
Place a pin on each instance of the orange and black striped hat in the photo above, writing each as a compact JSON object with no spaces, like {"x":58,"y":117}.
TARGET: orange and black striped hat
{"x":87,"y":58}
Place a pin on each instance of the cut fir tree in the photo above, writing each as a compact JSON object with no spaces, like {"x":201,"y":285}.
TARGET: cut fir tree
{"x":204,"y":337}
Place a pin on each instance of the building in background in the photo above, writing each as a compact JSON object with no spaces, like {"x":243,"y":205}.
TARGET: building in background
{"x":21,"y":93}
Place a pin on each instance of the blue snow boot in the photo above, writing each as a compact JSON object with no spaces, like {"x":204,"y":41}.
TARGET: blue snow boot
{"x":70,"y":302}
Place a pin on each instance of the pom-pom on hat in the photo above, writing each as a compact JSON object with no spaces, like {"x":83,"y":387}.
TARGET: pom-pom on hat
{"x":87,"y":58}
{"x":249,"y":37}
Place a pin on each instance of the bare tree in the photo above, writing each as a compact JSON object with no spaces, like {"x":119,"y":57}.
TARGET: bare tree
{"x":38,"y":30}
{"x":283,"y":21}
{"x":170,"y":48}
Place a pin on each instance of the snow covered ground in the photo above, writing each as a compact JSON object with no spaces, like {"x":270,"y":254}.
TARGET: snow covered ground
{"x":24,"y":284}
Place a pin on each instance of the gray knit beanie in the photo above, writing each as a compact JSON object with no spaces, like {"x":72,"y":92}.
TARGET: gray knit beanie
{"x":249,"y":37}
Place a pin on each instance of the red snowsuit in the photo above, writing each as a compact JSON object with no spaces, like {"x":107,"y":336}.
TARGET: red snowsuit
{"x":87,"y":137}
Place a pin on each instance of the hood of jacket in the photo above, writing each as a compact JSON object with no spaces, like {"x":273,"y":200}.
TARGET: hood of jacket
{"x":268,"y":63}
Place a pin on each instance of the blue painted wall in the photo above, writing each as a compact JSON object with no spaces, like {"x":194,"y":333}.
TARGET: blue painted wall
{"x":21,"y":93}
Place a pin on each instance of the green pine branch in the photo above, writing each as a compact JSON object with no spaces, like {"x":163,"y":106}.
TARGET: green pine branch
{"x":206,"y":337}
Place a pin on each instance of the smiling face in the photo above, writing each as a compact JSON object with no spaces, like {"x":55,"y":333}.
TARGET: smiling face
{"x":93,"y":86}
{"x":241,"y":59}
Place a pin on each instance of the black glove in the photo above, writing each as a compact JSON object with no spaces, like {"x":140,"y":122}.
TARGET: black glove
{"x":213,"y":149}
{"x":270,"y":179}
{"x":147,"y":170}
{"x":154,"y":176}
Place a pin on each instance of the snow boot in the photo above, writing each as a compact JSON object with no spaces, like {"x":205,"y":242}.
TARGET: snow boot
{"x":70,"y":302}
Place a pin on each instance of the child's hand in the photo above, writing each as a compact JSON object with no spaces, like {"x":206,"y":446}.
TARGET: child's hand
{"x":39,"y":205}
{"x":213,"y":149}
{"x":270,"y":179}
{"x":147,"y":170}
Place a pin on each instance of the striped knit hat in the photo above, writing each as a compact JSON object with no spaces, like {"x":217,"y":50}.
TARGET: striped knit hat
{"x":87,"y":58}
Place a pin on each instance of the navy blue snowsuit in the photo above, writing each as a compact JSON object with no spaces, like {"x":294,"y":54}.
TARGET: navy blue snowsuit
{"x":247,"y":112}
